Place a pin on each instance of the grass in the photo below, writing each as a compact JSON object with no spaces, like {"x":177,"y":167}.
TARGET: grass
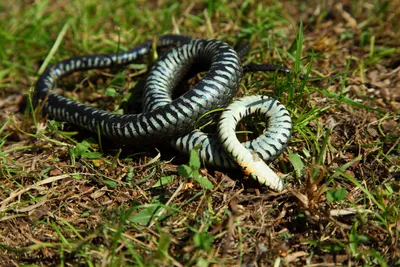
{"x":68,"y":197}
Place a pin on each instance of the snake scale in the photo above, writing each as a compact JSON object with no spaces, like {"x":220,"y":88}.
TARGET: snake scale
{"x":164,"y":118}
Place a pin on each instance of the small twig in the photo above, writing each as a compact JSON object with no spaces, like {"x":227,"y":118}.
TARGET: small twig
{"x":38,"y":186}
{"x":394,"y":145}
{"x":162,"y":210}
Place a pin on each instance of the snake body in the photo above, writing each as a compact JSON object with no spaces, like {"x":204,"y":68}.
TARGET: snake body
{"x":166,"y":119}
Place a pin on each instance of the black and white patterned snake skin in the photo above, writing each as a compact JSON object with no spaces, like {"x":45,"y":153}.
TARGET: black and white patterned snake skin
{"x":165,"y":118}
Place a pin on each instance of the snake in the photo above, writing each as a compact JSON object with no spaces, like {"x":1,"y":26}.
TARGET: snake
{"x":164,"y":118}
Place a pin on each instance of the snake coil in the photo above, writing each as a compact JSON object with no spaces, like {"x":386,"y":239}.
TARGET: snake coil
{"x":165,"y":118}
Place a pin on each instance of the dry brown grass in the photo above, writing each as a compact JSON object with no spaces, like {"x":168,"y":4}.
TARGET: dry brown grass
{"x":56,"y":210}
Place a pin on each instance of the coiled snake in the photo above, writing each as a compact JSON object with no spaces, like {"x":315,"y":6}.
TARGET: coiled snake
{"x":166,"y":119}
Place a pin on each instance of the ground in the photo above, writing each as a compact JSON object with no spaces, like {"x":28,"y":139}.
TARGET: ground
{"x":67,"y":199}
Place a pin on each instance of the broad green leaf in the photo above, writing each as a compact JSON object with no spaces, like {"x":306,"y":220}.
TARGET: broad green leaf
{"x":111,"y":92}
{"x":297,"y":163}
{"x":353,"y":244}
{"x":81,"y":148}
{"x":144,"y":216}
{"x":45,"y":171}
{"x":203,"y":241}
{"x":184,"y":171}
{"x":110,"y":183}
{"x":164,"y":181}
{"x":203,"y":181}
{"x":76,"y":175}
{"x":194,"y":161}
{"x":336,"y":195}
{"x":91,"y":155}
